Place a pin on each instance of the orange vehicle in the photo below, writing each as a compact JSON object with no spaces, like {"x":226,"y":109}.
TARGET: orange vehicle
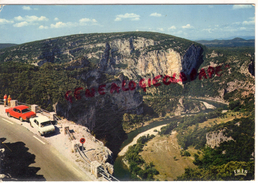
{"x":21,"y":112}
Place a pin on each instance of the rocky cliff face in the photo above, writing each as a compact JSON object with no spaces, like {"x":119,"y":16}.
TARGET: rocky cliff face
{"x":140,"y":62}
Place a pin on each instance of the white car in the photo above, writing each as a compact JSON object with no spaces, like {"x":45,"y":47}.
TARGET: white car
{"x":42,"y":124}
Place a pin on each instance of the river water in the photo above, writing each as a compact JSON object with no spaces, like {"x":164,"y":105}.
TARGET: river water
{"x":121,"y":171}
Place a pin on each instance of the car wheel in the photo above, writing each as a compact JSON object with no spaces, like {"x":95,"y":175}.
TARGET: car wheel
{"x":8,"y":114}
{"x":21,"y":119}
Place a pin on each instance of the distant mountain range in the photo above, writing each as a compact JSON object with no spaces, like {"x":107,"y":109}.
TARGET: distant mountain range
{"x":236,"y":42}
{"x":6,"y":45}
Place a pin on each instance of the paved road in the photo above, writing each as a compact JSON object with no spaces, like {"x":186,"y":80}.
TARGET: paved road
{"x":54,"y":166}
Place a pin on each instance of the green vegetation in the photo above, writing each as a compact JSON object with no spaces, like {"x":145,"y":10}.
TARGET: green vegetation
{"x":247,"y":102}
{"x":235,"y":58}
{"x":138,"y":168}
{"x":219,"y":163}
{"x":221,"y":172}
{"x":184,"y":153}
{"x":166,"y":130}
{"x":44,"y":85}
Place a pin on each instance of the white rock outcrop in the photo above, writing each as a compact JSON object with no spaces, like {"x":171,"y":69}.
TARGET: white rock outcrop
{"x":214,"y":139}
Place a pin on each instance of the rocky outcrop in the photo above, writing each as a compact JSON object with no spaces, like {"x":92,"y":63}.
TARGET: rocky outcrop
{"x":214,"y":54}
{"x":77,"y":64}
{"x":180,"y":107}
{"x":214,"y":139}
{"x":196,"y":107}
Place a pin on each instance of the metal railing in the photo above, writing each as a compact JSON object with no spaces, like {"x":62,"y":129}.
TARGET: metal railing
{"x":39,"y":109}
{"x":72,"y":137}
{"x":20,"y":103}
{"x":102,"y":172}
{"x":108,"y":175}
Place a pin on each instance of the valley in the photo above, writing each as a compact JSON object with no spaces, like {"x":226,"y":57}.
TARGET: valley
{"x":121,"y":84}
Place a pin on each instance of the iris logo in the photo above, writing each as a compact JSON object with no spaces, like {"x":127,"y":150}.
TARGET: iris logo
{"x":240,"y":172}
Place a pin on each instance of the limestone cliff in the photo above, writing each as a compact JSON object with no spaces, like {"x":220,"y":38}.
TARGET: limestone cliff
{"x":139,"y":62}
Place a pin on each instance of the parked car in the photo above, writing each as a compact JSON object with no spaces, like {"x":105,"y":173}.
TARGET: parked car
{"x":21,"y":112}
{"x":42,"y":124}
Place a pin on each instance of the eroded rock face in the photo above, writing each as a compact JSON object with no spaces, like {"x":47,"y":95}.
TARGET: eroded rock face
{"x":159,"y":63}
{"x":214,"y":139}
{"x":140,"y":62}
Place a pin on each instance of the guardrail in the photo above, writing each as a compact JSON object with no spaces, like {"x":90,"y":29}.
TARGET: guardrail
{"x":107,"y":176}
{"x":20,"y":103}
{"x":43,"y":111}
{"x":70,"y":134}
{"x":102,"y":172}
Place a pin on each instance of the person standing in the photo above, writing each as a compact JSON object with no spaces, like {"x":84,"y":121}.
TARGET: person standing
{"x":5,"y":98}
{"x":9,"y":100}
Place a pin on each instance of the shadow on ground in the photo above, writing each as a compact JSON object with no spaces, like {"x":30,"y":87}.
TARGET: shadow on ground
{"x":15,"y":162}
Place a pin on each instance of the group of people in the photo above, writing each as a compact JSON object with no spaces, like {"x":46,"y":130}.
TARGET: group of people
{"x":5,"y":100}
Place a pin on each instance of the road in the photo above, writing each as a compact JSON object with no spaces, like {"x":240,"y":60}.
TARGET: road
{"x":53,"y":165}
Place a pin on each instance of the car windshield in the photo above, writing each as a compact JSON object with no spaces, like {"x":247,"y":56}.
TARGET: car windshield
{"x":25,"y":110}
{"x":47,"y":123}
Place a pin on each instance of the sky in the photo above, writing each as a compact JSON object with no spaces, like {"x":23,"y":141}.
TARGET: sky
{"x":27,"y":23}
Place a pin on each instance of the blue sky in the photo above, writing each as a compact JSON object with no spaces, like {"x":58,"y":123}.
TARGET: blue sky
{"x":26,"y":23}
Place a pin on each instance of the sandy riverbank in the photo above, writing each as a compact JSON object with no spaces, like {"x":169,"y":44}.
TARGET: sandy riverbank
{"x":208,"y":106}
{"x":150,"y":132}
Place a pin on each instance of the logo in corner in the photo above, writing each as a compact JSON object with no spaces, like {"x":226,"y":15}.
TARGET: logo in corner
{"x":240,"y":172}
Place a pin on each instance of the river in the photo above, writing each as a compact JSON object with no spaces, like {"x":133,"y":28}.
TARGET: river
{"x":121,"y":172}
